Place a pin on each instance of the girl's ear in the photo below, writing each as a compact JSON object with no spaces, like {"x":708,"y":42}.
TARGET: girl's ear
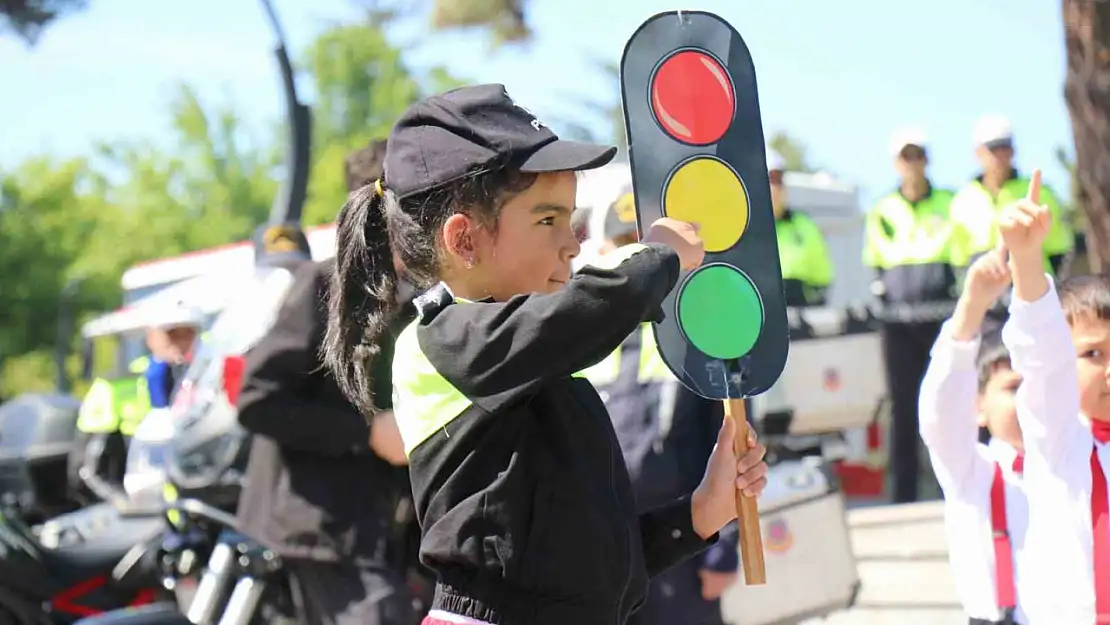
{"x":458,"y":238}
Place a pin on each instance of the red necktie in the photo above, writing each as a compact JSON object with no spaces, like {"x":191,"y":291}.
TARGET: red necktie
{"x":1019,"y":464}
{"x":1101,"y":430}
{"x":1100,"y":526}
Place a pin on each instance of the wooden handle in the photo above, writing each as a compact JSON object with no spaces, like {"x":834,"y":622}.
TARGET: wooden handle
{"x":747,"y":509}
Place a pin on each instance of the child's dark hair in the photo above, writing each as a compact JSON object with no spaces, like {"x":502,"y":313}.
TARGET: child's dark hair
{"x":1086,"y":297}
{"x":372,"y":226}
{"x":993,"y":356}
{"x":363,"y":167}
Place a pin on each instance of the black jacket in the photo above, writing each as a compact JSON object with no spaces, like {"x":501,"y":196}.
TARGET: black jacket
{"x":314,"y":489}
{"x":527,"y":512}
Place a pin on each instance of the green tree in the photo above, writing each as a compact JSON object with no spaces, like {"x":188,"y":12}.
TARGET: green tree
{"x":791,"y":150}
{"x":212,"y":186}
{"x":46,"y":215}
{"x":362,"y":86}
{"x":49,"y":210}
{"x":504,"y":19}
{"x":87,"y":220}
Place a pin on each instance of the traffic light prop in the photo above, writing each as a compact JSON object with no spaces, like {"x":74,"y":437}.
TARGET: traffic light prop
{"x":697,"y":154}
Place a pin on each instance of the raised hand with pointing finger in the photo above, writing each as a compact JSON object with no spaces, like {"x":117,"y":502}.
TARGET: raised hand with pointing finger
{"x":1023,"y":227}
{"x":1025,"y":224}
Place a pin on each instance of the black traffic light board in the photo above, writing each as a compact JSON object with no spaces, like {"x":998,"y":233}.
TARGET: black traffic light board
{"x":697,"y":153}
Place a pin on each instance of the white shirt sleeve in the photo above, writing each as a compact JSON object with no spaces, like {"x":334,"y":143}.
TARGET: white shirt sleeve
{"x":1059,"y":588}
{"x":946,"y":409}
{"x":1041,"y":351}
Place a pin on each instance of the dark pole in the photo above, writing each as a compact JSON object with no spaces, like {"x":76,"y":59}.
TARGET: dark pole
{"x":289,"y":202}
{"x":65,"y":333}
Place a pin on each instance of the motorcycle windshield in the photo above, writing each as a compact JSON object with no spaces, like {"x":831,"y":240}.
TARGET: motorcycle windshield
{"x":207,"y":436}
{"x":145,"y":477}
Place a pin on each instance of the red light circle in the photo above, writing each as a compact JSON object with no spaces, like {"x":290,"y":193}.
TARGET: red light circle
{"x":692,"y":98}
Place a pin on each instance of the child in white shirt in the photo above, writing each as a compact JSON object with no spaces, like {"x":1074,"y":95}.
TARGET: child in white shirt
{"x":1059,"y":342}
{"x":969,"y":384}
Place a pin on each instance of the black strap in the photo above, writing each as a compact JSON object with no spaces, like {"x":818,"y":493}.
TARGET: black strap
{"x":1007,"y":619}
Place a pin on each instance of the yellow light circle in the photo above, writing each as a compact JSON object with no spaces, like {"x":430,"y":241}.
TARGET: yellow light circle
{"x":706,"y":191}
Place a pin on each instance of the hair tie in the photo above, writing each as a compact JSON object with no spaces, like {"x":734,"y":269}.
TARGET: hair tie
{"x":378,"y":187}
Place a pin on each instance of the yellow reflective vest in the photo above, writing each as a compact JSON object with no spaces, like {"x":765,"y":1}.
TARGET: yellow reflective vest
{"x":803,"y":256}
{"x":119,"y":404}
{"x":651,"y":367}
{"x":914,"y":247}
{"x":976,"y":211}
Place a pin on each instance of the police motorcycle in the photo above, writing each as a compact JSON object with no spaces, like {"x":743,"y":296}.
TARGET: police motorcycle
{"x":36,"y":435}
{"x":216,"y":573}
{"x":78,"y":564}
{"x":59,"y":562}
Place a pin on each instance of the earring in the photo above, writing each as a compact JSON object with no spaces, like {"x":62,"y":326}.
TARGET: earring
{"x":469,"y":263}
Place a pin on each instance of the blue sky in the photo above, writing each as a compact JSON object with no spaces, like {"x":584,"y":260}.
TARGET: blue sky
{"x":839,"y":75}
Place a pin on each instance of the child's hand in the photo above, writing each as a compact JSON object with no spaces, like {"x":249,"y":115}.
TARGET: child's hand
{"x":680,"y":236}
{"x":987,"y":279}
{"x":1024,"y":225}
{"x":714,"y":501}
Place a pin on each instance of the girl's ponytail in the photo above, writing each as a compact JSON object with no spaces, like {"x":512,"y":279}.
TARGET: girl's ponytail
{"x":361,"y":294}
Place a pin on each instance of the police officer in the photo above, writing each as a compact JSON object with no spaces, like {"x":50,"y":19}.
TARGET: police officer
{"x":807,"y":270}
{"x":113,"y":408}
{"x":914,"y":250}
{"x":666,"y":433}
{"x":999,"y":184}
{"x":323,"y":485}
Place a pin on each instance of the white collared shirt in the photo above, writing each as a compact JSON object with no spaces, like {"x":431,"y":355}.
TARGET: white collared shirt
{"x":965,"y":470}
{"x":1057,"y":462}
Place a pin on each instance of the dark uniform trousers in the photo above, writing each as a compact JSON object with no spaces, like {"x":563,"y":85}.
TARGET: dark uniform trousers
{"x":674,"y":598}
{"x":906,"y":348}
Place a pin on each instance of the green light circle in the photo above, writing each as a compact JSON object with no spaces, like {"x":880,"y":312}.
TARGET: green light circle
{"x":720,"y":311}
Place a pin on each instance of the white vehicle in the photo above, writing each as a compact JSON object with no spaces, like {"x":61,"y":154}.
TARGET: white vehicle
{"x":206,"y":280}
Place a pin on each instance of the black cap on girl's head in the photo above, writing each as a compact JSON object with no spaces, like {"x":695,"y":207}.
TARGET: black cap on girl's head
{"x":445,"y":137}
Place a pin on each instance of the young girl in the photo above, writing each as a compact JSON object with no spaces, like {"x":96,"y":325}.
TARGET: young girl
{"x":525,"y":506}
{"x":970,"y":384}
{"x":1059,"y":341}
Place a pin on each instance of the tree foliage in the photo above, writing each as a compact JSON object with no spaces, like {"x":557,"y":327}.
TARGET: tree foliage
{"x":504,"y":19}
{"x":82,"y":221}
{"x":28,"y":18}
{"x":792,"y":150}
{"x":361,"y":86}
